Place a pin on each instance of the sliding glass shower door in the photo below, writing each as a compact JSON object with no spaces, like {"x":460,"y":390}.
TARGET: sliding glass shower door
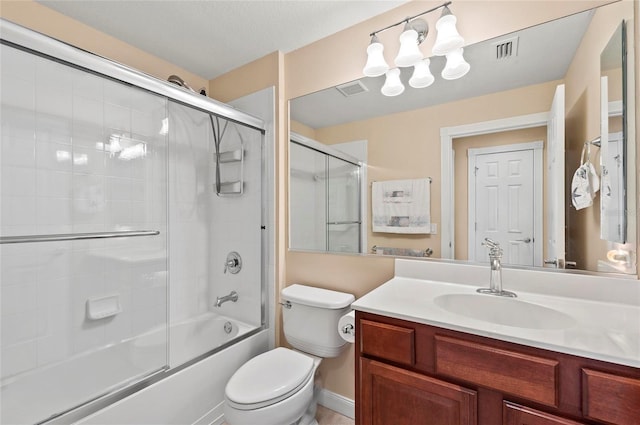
{"x":343,"y":205}
{"x":324,"y":201}
{"x":83,"y":225}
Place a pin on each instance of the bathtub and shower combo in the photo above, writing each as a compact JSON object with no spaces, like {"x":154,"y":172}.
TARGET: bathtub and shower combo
{"x":133,"y":242}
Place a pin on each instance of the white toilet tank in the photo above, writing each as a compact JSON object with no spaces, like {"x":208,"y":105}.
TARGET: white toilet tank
{"x":310,"y":319}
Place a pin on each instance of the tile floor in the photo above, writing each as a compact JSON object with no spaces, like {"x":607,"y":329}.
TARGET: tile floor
{"x":329,"y":417}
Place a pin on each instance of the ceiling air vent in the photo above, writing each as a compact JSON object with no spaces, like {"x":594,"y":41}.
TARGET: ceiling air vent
{"x":506,"y":49}
{"x":352,"y":88}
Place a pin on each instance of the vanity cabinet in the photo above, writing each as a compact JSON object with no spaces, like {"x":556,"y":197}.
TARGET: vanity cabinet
{"x":411,"y":373}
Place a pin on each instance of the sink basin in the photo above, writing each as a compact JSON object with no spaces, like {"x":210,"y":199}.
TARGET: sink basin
{"x":504,"y":311}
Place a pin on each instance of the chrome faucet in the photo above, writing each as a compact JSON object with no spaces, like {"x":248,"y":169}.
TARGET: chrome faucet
{"x":233,"y":296}
{"x":495,"y":282}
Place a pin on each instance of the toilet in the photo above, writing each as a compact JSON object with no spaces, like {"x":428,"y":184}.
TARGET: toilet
{"x":277,"y":387}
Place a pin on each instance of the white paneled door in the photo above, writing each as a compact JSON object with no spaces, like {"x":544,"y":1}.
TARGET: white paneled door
{"x":502,"y":202}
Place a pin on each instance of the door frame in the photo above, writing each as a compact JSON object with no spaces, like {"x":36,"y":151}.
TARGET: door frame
{"x":538,"y":169}
{"x":447,"y":134}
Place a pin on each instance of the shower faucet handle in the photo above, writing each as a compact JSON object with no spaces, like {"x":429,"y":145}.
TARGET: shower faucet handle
{"x":233,"y":263}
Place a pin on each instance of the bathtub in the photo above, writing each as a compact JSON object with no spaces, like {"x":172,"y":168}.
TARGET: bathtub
{"x":190,"y":338}
{"x":33,"y":396}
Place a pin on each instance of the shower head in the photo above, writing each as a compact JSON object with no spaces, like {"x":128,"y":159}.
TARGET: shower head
{"x":179,"y":81}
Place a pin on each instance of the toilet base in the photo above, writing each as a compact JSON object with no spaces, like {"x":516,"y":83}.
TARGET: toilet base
{"x":309,"y":417}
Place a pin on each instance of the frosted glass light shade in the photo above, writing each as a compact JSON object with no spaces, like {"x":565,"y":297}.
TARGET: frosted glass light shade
{"x":409,"y":53}
{"x":376,"y":65}
{"x":448,"y":38}
{"x":392,"y":84}
{"x":456,"y":66}
{"x":422,"y":76}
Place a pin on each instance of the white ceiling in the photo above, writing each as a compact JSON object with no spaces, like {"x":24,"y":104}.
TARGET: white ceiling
{"x":211,"y":37}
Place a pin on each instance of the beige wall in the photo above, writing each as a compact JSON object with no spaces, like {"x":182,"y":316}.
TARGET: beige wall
{"x":584,"y":245}
{"x":247,"y":79}
{"x":303,"y":130}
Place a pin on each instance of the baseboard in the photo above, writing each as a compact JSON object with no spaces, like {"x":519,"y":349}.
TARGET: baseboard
{"x":338,"y":403}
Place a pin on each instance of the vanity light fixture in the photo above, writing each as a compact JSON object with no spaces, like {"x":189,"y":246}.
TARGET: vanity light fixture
{"x":422,"y":76}
{"x":448,"y":38}
{"x":448,"y":43}
{"x":376,"y":65}
{"x":409,"y":53}
{"x":392,"y":84}
{"x":456,"y":66}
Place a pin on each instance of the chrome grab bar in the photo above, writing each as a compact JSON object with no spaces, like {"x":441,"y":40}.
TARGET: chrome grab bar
{"x":76,"y":236}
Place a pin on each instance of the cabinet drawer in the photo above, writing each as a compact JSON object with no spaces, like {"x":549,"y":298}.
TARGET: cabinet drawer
{"x":393,"y":343}
{"x":610,"y":398}
{"x":513,"y":414}
{"x":514,"y":373}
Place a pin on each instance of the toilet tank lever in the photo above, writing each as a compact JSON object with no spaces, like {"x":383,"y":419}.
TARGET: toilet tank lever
{"x":286,"y":304}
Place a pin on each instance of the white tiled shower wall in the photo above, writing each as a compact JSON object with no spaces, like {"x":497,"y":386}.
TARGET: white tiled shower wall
{"x":58,"y":175}
{"x":205,"y":227}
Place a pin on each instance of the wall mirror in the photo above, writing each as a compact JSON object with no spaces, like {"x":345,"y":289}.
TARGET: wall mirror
{"x":531,"y":101}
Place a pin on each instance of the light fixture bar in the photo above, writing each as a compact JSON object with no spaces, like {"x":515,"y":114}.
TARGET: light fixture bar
{"x":405,"y":20}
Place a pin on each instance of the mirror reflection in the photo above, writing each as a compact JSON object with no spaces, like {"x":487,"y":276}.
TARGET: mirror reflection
{"x":500,"y":147}
{"x":616,"y":178}
{"x":325,"y":188}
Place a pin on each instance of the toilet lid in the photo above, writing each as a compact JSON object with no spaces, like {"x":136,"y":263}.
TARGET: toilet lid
{"x":269,"y":378}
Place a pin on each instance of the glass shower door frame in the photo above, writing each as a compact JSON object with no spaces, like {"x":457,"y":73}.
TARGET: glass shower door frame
{"x":328,"y":152}
{"x":40,"y":45}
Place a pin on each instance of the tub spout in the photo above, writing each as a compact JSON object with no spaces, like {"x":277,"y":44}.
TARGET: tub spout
{"x":233,"y":296}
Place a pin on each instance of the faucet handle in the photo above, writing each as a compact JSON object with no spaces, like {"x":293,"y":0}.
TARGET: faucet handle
{"x":494,"y":247}
{"x":233,"y":263}
{"x":491,"y":243}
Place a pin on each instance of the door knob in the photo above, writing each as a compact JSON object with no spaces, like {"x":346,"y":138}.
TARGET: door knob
{"x":525,"y":240}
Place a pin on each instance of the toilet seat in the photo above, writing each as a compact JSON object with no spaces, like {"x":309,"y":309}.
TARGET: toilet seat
{"x":269,"y":378}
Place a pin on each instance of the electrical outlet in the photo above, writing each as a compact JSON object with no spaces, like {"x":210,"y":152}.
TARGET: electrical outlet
{"x":434,"y":228}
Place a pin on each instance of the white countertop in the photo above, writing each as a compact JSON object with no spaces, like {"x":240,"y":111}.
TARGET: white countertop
{"x":602,"y":330}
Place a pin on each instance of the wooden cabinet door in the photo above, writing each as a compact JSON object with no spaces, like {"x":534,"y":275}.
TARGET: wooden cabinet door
{"x":390,"y":395}
{"x":514,"y":414}
{"x":610,"y":398}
